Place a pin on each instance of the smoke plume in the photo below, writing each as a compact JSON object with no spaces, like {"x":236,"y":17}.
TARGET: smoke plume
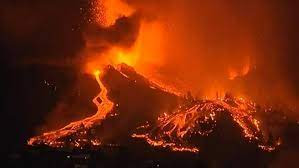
{"x":248,"y":48}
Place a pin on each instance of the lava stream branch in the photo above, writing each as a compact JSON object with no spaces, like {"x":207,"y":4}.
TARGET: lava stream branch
{"x":103,"y":108}
{"x":174,"y":129}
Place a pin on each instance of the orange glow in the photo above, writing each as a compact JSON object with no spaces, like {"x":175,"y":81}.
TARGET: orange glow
{"x":107,"y":11}
{"x":97,"y":73}
{"x":149,"y":45}
{"x":125,"y":58}
{"x":144,"y":55}
{"x":147,"y":50}
{"x":233,"y":73}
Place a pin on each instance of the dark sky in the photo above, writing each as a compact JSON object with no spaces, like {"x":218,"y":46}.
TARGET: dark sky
{"x":38,"y":42}
{"x":42,"y":29}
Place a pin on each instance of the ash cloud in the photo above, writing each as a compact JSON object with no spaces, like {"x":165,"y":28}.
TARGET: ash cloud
{"x":122,"y":33}
{"x":206,"y":38}
{"x":56,"y":32}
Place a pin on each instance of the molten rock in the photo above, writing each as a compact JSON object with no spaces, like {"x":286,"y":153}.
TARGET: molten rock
{"x":131,"y":108}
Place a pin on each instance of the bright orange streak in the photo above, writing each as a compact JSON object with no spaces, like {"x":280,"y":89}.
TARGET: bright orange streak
{"x":105,"y":107}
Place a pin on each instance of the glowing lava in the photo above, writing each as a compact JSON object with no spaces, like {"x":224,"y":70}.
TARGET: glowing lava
{"x":174,"y":129}
{"x":55,"y":138}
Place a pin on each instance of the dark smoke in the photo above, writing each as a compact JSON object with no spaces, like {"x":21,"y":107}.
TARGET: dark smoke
{"x":122,"y":33}
{"x":55,"y":33}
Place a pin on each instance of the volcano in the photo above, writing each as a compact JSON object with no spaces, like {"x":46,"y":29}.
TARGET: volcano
{"x":127,"y":83}
{"x":133,"y":109}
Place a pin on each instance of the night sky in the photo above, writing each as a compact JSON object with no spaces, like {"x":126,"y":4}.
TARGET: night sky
{"x":38,"y":41}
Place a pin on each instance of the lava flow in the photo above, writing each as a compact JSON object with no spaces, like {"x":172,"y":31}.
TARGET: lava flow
{"x":53,"y":138}
{"x":200,"y":117}
{"x":180,"y":128}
